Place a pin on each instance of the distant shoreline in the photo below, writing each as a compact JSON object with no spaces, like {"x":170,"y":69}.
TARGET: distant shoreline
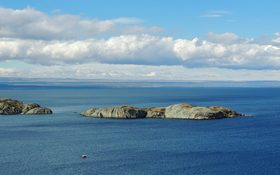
{"x":37,"y":82}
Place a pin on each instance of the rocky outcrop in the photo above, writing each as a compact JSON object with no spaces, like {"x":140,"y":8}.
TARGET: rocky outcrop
{"x":155,"y":112}
{"x":128,"y":112}
{"x":183,"y":111}
{"x":14,"y":107}
{"x":177,"y":111}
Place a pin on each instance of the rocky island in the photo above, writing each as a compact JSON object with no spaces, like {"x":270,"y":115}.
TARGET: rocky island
{"x":14,"y":107}
{"x":177,"y":111}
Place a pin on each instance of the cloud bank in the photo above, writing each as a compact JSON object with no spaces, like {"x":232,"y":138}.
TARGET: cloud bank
{"x":8,"y":72}
{"x":146,"y":50}
{"x":130,"y":72}
{"x":73,"y":44}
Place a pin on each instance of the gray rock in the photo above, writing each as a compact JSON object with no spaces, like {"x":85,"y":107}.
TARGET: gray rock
{"x":14,"y":107}
{"x":186,"y":111}
{"x":28,"y":107}
{"x":228,"y":113}
{"x":128,"y":112}
{"x":39,"y":110}
{"x":178,"y":111}
{"x":155,"y":112}
{"x":10,"y":106}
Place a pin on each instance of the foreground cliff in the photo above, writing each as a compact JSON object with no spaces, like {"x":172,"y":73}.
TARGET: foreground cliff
{"x":14,"y":107}
{"x":177,"y":111}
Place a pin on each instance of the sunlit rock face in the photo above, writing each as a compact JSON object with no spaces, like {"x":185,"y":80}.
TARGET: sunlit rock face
{"x":128,"y":112}
{"x":185,"y":111}
{"x":177,"y":111}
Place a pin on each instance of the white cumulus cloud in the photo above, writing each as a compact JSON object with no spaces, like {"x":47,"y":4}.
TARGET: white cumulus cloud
{"x":29,"y":23}
{"x":145,"y":50}
{"x":136,"y":49}
{"x":63,"y":41}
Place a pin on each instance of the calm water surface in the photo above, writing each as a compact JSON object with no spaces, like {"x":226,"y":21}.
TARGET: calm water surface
{"x":52,"y":145}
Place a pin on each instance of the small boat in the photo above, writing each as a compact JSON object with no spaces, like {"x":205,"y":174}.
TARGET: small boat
{"x":84,"y":156}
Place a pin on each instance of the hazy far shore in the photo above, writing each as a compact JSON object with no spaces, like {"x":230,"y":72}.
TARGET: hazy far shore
{"x":14,"y":82}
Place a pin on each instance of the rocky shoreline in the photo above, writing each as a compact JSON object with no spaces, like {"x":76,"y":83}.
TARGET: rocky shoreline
{"x":14,"y":107}
{"x":177,"y":111}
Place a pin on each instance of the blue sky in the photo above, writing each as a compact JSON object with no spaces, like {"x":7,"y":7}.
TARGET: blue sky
{"x":145,"y":40}
{"x":181,"y":18}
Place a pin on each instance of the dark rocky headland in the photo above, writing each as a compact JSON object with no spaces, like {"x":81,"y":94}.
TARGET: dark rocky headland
{"x":177,"y":111}
{"x":15,"y":107}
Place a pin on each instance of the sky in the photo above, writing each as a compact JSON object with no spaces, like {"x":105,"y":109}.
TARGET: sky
{"x":141,"y":40}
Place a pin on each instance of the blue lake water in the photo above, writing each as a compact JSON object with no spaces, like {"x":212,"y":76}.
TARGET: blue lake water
{"x":53,"y":145}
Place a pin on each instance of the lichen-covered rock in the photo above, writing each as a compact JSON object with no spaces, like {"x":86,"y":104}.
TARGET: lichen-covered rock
{"x":128,"y":112}
{"x":183,"y":111}
{"x":39,"y":110}
{"x":178,"y":111}
{"x":10,"y":106}
{"x":14,"y":107}
{"x":226,"y":111}
{"x":28,"y":107}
